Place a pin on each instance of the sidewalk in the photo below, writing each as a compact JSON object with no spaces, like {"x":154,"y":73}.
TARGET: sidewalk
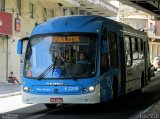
{"x":9,"y":89}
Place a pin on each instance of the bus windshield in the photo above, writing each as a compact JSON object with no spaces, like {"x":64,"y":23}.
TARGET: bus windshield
{"x":61,"y":56}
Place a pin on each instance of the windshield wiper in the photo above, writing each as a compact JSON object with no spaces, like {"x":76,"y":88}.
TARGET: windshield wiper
{"x":52,"y":67}
{"x":47,"y":70}
{"x":65,"y":64}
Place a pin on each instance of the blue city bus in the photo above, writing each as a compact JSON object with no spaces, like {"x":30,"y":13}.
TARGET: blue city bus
{"x":83,"y":60}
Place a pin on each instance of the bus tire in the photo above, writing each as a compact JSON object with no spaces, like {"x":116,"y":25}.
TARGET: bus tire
{"x":51,"y":106}
{"x":115,"y":87}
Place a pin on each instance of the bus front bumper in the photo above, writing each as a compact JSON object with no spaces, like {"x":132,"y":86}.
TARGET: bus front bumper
{"x":89,"y":98}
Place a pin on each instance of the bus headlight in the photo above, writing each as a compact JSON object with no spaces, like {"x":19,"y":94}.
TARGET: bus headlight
{"x":91,"y":88}
{"x":25,"y":88}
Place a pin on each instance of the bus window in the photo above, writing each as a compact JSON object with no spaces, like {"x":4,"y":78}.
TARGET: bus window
{"x":134,"y":48}
{"x":142,"y":45}
{"x":104,"y":66}
{"x":112,"y":41}
{"x":128,"y":51}
{"x":104,"y":63}
{"x":141,"y":49}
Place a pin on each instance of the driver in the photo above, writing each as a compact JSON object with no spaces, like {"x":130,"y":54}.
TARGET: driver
{"x":83,"y":59}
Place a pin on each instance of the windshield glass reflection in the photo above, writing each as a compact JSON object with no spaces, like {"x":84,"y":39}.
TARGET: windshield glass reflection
{"x":59,"y":56}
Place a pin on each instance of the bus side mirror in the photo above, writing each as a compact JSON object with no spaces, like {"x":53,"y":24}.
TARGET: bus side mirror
{"x":20,"y":45}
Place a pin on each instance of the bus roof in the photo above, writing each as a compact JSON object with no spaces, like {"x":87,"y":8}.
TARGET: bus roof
{"x":88,"y":24}
{"x":127,"y":29}
{"x":84,"y":24}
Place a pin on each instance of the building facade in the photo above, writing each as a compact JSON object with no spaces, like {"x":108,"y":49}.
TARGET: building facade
{"x":26,"y":14}
{"x":144,"y":22}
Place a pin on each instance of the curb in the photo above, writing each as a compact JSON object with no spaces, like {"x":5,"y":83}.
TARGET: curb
{"x":10,"y":95}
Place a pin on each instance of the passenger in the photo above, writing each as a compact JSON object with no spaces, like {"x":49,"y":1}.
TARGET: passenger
{"x":83,"y":59}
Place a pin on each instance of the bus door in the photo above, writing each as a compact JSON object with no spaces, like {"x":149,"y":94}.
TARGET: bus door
{"x":105,"y":82}
{"x":146,"y":62}
{"x":114,"y":58}
{"x":129,"y":62}
{"x":123,"y":65}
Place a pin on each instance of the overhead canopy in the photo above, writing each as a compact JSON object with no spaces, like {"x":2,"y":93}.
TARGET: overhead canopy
{"x":149,"y":6}
{"x":99,"y":7}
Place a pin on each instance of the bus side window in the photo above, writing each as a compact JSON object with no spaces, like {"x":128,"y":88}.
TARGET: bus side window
{"x":135,"y":48}
{"x":128,"y":50}
{"x":141,"y":49}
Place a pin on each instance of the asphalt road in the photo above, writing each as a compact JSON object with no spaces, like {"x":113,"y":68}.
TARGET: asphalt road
{"x":125,"y":107}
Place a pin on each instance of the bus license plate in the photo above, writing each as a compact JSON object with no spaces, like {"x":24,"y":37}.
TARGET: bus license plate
{"x":58,"y":100}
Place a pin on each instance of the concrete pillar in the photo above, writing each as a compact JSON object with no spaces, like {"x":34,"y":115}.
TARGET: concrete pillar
{"x":77,"y":10}
{"x":39,"y":13}
{"x":68,"y":11}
